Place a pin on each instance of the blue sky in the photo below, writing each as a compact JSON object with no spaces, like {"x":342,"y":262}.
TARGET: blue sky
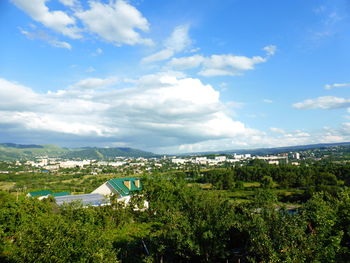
{"x":175,"y":76}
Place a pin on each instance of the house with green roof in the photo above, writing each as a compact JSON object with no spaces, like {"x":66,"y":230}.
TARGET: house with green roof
{"x":119,"y":186}
{"x":123,"y":188}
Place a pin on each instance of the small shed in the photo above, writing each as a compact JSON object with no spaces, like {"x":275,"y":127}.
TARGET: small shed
{"x":39,"y":193}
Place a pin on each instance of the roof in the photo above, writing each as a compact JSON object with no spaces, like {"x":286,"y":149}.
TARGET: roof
{"x":60,"y":194}
{"x":85,"y":199}
{"x":39,"y":193}
{"x":118,"y":185}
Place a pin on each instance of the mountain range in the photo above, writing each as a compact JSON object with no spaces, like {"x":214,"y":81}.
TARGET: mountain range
{"x":12,"y":151}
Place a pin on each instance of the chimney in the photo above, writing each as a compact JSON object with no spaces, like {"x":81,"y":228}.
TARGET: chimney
{"x":127,"y":184}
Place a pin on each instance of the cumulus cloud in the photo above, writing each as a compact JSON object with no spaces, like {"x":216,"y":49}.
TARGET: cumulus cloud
{"x":336,"y":85}
{"x":15,"y":96}
{"x":59,"y":21}
{"x":221,"y":65}
{"x":157,"y":110}
{"x":115,"y":22}
{"x":178,"y":41}
{"x":325,"y":103}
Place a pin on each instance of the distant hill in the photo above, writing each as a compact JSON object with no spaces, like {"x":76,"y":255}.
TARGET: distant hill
{"x":276,"y":150}
{"x":106,"y":153}
{"x":20,"y":146}
{"x":12,"y":151}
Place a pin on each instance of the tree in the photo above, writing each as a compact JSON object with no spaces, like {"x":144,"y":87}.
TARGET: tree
{"x":267,"y":182}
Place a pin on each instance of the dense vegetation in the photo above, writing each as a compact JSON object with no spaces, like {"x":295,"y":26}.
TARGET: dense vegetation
{"x":251,"y":213}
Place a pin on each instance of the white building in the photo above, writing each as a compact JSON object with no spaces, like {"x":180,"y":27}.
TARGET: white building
{"x":178,"y":161}
{"x":220,"y":158}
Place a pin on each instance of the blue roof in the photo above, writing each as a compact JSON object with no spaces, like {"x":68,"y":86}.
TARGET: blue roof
{"x":85,"y":199}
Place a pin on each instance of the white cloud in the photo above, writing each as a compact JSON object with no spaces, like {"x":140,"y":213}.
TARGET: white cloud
{"x":336,"y":85}
{"x":95,"y":83}
{"x":187,"y":62}
{"x":220,"y":65}
{"x":42,"y":35}
{"x":115,"y":22}
{"x":70,"y":3}
{"x":14,"y":96}
{"x":55,"y":123}
{"x":325,"y":103}
{"x":159,"y":56}
{"x":228,"y":65}
{"x":162,"y":108}
{"x":178,"y":41}
{"x":267,"y":101}
{"x":270,"y":50}
{"x":56,"y":20}
{"x":60,"y":44}
{"x":160,"y":112}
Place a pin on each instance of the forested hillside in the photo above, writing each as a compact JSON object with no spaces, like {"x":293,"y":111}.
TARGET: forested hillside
{"x":12,"y":152}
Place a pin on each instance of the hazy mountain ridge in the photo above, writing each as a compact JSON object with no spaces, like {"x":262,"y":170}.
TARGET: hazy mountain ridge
{"x":275,"y":150}
{"x":107,"y":153}
{"x":12,"y":151}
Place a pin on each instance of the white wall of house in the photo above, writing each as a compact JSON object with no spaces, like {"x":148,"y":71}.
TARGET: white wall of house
{"x":103,"y":189}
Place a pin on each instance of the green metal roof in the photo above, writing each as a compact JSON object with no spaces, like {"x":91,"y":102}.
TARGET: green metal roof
{"x":118,"y":185}
{"x":61,"y":194}
{"x":39,"y":193}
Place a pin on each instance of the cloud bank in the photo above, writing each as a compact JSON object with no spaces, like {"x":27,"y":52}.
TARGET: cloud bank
{"x":157,"y":111}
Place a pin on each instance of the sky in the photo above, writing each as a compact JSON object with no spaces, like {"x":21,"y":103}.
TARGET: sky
{"x":175,"y":76}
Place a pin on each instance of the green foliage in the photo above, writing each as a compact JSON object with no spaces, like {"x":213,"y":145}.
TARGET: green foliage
{"x":267,"y":181}
{"x":187,"y":224}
